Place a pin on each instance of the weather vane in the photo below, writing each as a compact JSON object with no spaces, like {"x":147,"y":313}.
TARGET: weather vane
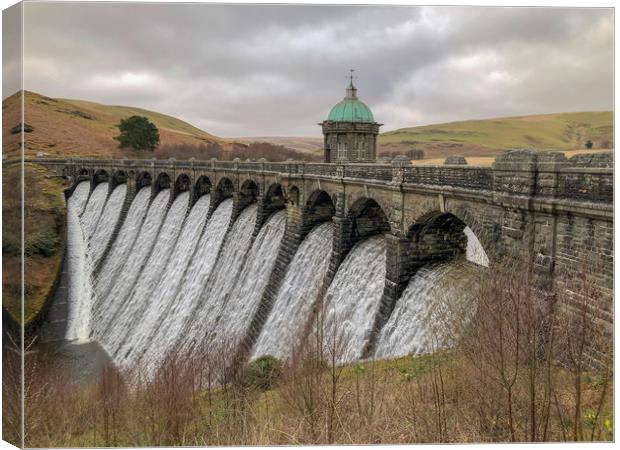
{"x":350,"y":76}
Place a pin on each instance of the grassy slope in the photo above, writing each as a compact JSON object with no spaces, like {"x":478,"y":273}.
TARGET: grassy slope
{"x":44,"y":237}
{"x":86,"y":129}
{"x":478,"y":138}
{"x":562,"y":131}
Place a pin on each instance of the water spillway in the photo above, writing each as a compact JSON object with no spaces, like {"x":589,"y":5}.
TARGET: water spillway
{"x":107,"y":221}
{"x":293,"y":307}
{"x":107,"y":326}
{"x":243,"y":303}
{"x":186,"y":286}
{"x":164,"y":314}
{"x":353,"y":298}
{"x":117,"y":256}
{"x":93,"y":210}
{"x":168,"y":278}
{"x":131,"y":323}
{"x":221,"y":283}
{"x":437,"y":302}
{"x":79,"y":287}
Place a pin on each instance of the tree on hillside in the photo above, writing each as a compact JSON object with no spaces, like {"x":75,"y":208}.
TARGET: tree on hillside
{"x":138,"y":132}
{"x":589,"y":144}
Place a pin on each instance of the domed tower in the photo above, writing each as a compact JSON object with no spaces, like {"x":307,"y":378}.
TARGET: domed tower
{"x":350,"y":131}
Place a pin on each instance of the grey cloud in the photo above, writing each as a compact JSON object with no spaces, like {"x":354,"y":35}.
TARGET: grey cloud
{"x":276,"y":70}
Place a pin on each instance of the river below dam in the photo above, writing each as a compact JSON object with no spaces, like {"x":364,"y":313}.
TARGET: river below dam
{"x":151,"y":277}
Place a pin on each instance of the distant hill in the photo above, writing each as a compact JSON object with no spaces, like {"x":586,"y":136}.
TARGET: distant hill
{"x":62,"y":127}
{"x":312,"y":145}
{"x":561,"y":131}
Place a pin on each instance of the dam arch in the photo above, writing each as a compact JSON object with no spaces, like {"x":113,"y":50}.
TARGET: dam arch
{"x":367,"y":218}
{"x":143,"y":179}
{"x":202,"y":187}
{"x":183,"y":183}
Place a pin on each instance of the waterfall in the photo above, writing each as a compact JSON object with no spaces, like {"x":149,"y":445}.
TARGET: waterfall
{"x":107,"y":222}
{"x":106,"y":329}
{"x":353,"y":298}
{"x":436,"y":304}
{"x":80,"y":197}
{"x":79,"y":286}
{"x":221,"y":282}
{"x":183,"y":305}
{"x":160,"y":318}
{"x":120,"y":249}
{"x":474,"y":251}
{"x":293,"y":306}
{"x":243,"y":303}
{"x":93,"y":210}
{"x":130,"y":322}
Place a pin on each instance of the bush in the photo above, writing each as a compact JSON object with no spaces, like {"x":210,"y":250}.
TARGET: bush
{"x":262,"y":373}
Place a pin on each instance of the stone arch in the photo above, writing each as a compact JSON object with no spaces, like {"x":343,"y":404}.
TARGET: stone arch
{"x":203,"y":186}
{"x":143,"y":179}
{"x":100,"y":176}
{"x":319,"y":207}
{"x":162,"y":182}
{"x":183,"y":183}
{"x":274,"y":197}
{"x":248,"y":191}
{"x":83,"y":172}
{"x":445,"y":235}
{"x":225,"y":188}
{"x":367,"y":218}
{"x":119,"y":177}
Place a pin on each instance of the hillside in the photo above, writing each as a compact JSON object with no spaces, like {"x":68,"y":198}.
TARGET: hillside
{"x":483,"y":138}
{"x":562,"y":131}
{"x":62,"y":127}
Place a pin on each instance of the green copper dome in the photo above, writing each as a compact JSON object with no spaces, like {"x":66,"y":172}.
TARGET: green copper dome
{"x":351,"y":109}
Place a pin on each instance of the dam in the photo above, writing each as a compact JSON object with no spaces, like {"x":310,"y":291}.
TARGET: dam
{"x":251,"y":258}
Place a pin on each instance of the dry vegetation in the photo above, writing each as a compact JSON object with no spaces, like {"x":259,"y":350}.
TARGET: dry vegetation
{"x":44,"y":225}
{"x":520,"y":372}
{"x":74,"y":128}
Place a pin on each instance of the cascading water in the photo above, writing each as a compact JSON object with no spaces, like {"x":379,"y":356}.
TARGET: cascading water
{"x":107,"y":222}
{"x":436,"y":304}
{"x":353,"y":298}
{"x":130,"y":324}
{"x":243,"y":303}
{"x":80,"y":197}
{"x":106,"y":328}
{"x":93,"y":210}
{"x":296,"y":298}
{"x":222,"y":280}
{"x":118,"y":254}
{"x":162,"y":310}
{"x":184,"y":297}
{"x":79,"y":286}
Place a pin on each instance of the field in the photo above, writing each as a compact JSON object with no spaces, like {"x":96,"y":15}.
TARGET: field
{"x":486,"y":138}
{"x":75,"y":128}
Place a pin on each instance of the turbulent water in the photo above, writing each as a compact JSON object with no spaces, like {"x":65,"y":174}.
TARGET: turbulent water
{"x":436,"y":304}
{"x":117,"y":256}
{"x":186,"y":286}
{"x":93,"y":210}
{"x":79,"y":286}
{"x":107,"y":221}
{"x":174,"y":279}
{"x":130,"y":323}
{"x":108,"y":327}
{"x":221,"y":282}
{"x":293,"y":307}
{"x":243,"y":303}
{"x":163,"y":315}
{"x":352,"y":301}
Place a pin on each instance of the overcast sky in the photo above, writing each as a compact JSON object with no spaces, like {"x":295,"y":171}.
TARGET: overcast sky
{"x":236,"y":70}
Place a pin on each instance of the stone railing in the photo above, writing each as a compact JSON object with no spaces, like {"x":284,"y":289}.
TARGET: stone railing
{"x":546,"y":175}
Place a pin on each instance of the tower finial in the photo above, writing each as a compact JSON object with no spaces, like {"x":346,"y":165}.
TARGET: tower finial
{"x":351,"y":90}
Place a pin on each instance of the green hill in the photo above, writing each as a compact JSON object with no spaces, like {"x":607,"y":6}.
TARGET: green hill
{"x":561,"y":131}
